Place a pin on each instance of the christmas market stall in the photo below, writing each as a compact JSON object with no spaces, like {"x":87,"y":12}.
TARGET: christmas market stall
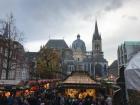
{"x":14,"y":87}
{"x":79,"y":85}
{"x":46,"y":84}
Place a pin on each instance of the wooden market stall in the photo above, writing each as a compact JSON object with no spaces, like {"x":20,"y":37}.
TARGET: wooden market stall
{"x":11,"y":84}
{"x":43,"y":83}
{"x":79,"y":85}
{"x":14,"y":87}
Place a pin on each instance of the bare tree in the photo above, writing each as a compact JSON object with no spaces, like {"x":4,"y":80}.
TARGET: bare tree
{"x":12,"y":47}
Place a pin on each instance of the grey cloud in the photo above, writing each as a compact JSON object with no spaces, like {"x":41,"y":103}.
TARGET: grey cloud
{"x":130,"y":17}
{"x":113,"y":5}
{"x":39,"y":18}
{"x":63,"y":8}
{"x":133,"y":18}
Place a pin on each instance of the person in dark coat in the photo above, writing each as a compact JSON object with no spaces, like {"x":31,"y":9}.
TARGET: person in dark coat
{"x":119,"y":97}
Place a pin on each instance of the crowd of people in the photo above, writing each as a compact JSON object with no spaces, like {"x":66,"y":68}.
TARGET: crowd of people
{"x":52,"y":98}
{"x":87,"y":101}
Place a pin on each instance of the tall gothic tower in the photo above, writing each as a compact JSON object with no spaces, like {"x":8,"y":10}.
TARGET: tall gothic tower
{"x":96,"y":42}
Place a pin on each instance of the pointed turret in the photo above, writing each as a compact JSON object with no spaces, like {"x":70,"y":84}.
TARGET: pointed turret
{"x":6,"y":30}
{"x":78,"y":36}
{"x":96,"y":35}
{"x":96,"y":28}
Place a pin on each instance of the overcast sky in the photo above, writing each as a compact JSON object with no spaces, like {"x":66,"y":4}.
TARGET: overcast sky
{"x":41,"y":20}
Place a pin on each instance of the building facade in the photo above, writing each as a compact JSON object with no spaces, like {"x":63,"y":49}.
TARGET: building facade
{"x":113,"y":71}
{"x":126,"y":51}
{"x":30,"y":59}
{"x":90,"y":61}
{"x":78,"y":59}
{"x":12,"y":59}
{"x":65,"y":53}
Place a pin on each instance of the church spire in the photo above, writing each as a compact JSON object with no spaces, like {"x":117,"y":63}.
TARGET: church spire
{"x":96,"y":35}
{"x":96,"y":28}
{"x":96,"y":41}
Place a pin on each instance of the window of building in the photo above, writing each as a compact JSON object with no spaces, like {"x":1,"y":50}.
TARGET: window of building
{"x":1,"y":49}
{"x":78,"y":59}
{"x":14,"y":55}
{"x":6,"y":52}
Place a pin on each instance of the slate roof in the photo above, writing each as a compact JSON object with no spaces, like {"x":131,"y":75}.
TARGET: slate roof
{"x":88,"y":59}
{"x":79,"y":77}
{"x":99,"y":58}
{"x":31,"y":55}
{"x":67,"y":54}
{"x":113,"y":68}
{"x":57,"y":43}
{"x":132,"y":43}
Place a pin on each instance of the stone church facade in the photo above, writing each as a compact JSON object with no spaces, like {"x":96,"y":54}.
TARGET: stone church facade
{"x":78,"y":59}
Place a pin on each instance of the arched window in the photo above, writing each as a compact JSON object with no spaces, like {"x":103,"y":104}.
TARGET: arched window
{"x":97,"y":47}
{"x":78,"y":59}
{"x":98,"y":70}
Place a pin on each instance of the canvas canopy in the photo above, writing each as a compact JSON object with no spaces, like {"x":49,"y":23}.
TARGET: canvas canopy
{"x":132,"y":73}
{"x":11,"y":82}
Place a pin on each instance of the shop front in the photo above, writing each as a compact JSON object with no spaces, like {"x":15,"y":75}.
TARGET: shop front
{"x":79,"y":85}
{"x":80,"y":93}
{"x":12,"y":87}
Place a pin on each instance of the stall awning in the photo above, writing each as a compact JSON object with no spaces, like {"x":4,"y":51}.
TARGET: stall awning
{"x":9,"y":85}
{"x":132,"y":73}
{"x":11,"y":82}
{"x":34,"y":82}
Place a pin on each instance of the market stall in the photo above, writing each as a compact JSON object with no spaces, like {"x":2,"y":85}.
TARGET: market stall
{"x":42,"y":84}
{"x":132,"y":80}
{"x":79,"y":85}
{"x":14,"y":87}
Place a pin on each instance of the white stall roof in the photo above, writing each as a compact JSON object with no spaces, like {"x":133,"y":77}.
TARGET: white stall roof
{"x":132,"y":73}
{"x":10,"y":82}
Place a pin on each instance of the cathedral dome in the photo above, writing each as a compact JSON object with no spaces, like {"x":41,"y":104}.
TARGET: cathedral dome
{"x":78,"y":45}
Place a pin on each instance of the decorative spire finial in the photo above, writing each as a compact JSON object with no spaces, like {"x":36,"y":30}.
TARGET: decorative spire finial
{"x":6,"y":30}
{"x":96,"y":28}
{"x":78,"y":36}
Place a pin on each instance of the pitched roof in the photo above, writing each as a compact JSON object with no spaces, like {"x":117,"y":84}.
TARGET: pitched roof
{"x":100,"y":58}
{"x":10,"y":82}
{"x":79,"y":77}
{"x":114,"y":64}
{"x":57,"y":43}
{"x":31,"y":55}
{"x":113,"y":68}
{"x":132,"y":42}
{"x":88,"y":59}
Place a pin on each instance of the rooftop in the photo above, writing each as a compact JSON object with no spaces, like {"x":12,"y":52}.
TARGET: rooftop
{"x":79,"y":77}
{"x":57,"y":43}
{"x":132,"y":42}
